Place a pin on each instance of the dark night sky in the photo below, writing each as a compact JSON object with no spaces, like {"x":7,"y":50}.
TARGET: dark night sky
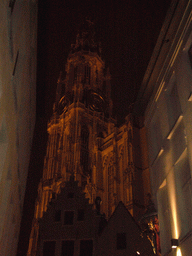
{"x":127,"y":30}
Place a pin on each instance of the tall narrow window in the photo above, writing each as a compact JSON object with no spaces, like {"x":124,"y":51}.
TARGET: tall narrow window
{"x":110,"y":189}
{"x":68,"y":218}
{"x":67,"y":248}
{"x":85,"y":149}
{"x":121,"y":241}
{"x":87,"y":74}
{"x":86,"y":247}
{"x":130,"y":141}
{"x":75,"y":73}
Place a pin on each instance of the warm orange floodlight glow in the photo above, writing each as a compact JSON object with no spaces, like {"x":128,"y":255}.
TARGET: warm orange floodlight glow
{"x":179,"y":252}
{"x":173,"y":205}
{"x":174,"y":213}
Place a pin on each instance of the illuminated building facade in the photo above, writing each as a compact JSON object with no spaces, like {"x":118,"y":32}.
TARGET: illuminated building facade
{"x":166,"y":101}
{"x":18,"y":27}
{"x":85,"y":142}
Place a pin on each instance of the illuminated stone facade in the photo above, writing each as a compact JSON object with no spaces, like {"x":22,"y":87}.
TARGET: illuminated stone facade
{"x":18,"y":29}
{"x":165,"y":98}
{"x":84,"y":140}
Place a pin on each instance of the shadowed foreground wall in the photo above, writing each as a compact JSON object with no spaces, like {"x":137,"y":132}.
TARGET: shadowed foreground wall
{"x":18,"y":29}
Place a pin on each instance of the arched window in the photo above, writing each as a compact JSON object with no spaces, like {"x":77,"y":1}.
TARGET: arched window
{"x":75,"y":73}
{"x":110,"y":189}
{"x":130,"y":139}
{"x":85,"y":149}
{"x":120,"y":186}
{"x":87,"y":74}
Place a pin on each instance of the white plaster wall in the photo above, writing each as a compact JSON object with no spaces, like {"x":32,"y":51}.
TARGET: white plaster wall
{"x":170,"y":149}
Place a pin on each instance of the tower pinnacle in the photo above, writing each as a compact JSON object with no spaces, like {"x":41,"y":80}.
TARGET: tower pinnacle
{"x":85,"y":39}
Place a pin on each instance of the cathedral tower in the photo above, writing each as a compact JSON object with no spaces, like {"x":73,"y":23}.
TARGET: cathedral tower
{"x":83,"y":140}
{"x":81,"y":120}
